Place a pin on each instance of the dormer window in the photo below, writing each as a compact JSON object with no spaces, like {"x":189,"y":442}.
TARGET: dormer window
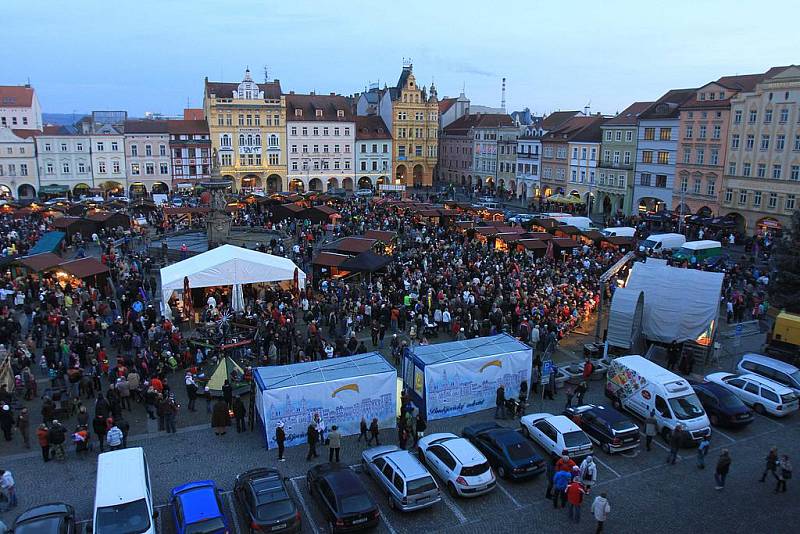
{"x":702,"y":96}
{"x":340,"y":113}
{"x":319,"y":113}
{"x":298,"y":112}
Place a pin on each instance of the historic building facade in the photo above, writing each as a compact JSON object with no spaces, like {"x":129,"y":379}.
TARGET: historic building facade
{"x":321,"y":139}
{"x":147,"y":157}
{"x":18,"y":173}
{"x":584,"y":156}
{"x":190,"y":150}
{"x":247,"y":123}
{"x":761,"y":184}
{"x":617,"y":161}
{"x":529,"y":149}
{"x":373,"y":153}
{"x":64,"y":162}
{"x":19,"y":107}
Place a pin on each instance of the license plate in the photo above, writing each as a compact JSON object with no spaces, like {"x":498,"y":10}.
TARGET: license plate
{"x":362,"y":520}
{"x":279,"y":527}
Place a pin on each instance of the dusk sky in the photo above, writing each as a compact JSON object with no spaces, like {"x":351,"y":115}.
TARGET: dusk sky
{"x":151,"y":55}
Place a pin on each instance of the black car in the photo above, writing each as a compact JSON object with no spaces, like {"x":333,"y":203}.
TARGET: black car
{"x":265,"y":502}
{"x":345,"y":501}
{"x":611,"y":430}
{"x":54,"y":518}
{"x":506,"y":449}
{"x":722,"y":406}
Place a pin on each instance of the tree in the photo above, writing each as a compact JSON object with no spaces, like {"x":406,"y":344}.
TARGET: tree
{"x":784,"y":288}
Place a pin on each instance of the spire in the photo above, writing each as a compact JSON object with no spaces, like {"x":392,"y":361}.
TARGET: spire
{"x":247,"y":77}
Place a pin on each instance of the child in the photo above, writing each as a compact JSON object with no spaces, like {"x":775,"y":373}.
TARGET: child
{"x":702,"y":451}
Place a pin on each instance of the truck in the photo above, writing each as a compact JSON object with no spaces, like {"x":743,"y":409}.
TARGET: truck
{"x":783,"y":341}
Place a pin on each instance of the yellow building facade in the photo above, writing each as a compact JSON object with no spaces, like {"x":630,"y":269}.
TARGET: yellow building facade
{"x":414,"y":124}
{"x":247,"y":123}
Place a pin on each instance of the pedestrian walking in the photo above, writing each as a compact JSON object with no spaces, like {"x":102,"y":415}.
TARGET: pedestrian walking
{"x":227,"y":392}
{"x":500,"y":402}
{"x":114,"y":437}
{"x":363,"y":429}
{"x":6,"y":421}
{"x":280,"y":439}
{"x":771,"y":464}
{"x":334,"y":444}
{"x":560,"y":482}
{"x":24,"y":427}
{"x":56,"y":435}
{"x":42,"y":437}
{"x":588,"y":473}
{"x":421,"y":426}
{"x":784,"y":473}
{"x":239,"y":413}
{"x":650,"y":429}
{"x":723,"y":466}
{"x":374,"y":432}
{"x":675,"y":440}
{"x":580,"y":391}
{"x":575,"y":492}
{"x":551,"y":472}
{"x":209,"y":400}
{"x":191,"y":390}
{"x":311,"y":437}
{"x":170,"y":413}
{"x":702,"y":451}
{"x":9,"y":488}
{"x":600,"y":509}
{"x":220,"y":418}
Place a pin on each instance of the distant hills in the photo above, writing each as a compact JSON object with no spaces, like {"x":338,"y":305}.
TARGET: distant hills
{"x":62,"y":119}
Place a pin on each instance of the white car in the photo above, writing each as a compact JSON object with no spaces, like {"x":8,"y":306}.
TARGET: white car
{"x":764,"y":395}
{"x":556,"y":434}
{"x":462,"y":467}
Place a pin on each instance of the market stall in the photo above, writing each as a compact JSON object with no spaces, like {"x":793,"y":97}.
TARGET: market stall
{"x":340,"y":390}
{"x":460,"y":377}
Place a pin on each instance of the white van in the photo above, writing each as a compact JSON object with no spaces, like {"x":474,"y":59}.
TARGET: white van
{"x":619,"y":231}
{"x":662,"y":242}
{"x":581,"y":223}
{"x":641,"y":386}
{"x":123,"y":499}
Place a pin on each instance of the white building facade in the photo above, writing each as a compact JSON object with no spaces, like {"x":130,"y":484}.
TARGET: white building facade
{"x":373,"y":153}
{"x":529,"y":148}
{"x":108,"y":163}
{"x":64,"y":162}
{"x":19,"y":107}
{"x":18,"y":173}
{"x":147,"y":156}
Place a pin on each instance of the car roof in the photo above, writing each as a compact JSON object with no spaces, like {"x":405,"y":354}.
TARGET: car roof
{"x":120,"y":469}
{"x":562,"y":423}
{"x":198,"y":500}
{"x":342,"y":480}
{"x":713,"y":388}
{"x":44,"y":510}
{"x":780,"y":389}
{"x":607,"y":414}
{"x":464,"y":451}
{"x":771,"y":362}
{"x":406,"y":463}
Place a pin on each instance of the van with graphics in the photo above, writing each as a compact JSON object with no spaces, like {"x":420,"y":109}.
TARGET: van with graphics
{"x":640,"y":386}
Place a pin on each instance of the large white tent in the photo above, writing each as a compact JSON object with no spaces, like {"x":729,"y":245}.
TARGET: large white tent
{"x":228,"y":265}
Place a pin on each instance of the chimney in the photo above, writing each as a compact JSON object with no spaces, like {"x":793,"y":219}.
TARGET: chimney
{"x":312,"y":93}
{"x":333,"y":94}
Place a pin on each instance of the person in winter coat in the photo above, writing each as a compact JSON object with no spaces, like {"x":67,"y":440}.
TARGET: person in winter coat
{"x":702,"y":451}
{"x":312,"y":436}
{"x":675,"y":441}
{"x":575,"y":492}
{"x":771,"y":464}
{"x":227,"y":392}
{"x":280,"y":439}
{"x":114,"y":437}
{"x":56,"y":435}
{"x":100,"y":428}
{"x":421,"y":426}
{"x":784,"y":473}
{"x":334,"y":443}
{"x":220,"y":418}
{"x":363,"y":428}
{"x":650,"y":429}
{"x":560,"y":482}
{"x":239,"y":412}
{"x":565,"y":463}
{"x":24,"y":427}
{"x":588,"y":473}
{"x":374,"y":432}
{"x":500,"y":402}
{"x":723,"y":466}
{"x":551,"y":472}
{"x":191,"y":390}
{"x":6,"y":421}
{"x":42,"y":438}
{"x":600,"y":511}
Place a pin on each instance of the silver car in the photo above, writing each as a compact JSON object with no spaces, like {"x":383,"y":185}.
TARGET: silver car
{"x":407,"y":482}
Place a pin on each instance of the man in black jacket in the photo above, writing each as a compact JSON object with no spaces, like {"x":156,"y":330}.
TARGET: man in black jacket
{"x":312,"y":436}
{"x":280,"y":438}
{"x":500,"y":402}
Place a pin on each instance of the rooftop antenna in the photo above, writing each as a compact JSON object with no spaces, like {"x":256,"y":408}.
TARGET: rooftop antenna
{"x":266,"y":74}
{"x":503,"y":97}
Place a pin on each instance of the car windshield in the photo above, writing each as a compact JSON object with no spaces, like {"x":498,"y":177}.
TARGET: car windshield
{"x":355,"y":503}
{"x":686,"y":407}
{"x":474,"y":470}
{"x":209,"y":526}
{"x":420,"y":485}
{"x":37,"y":526}
{"x":274,"y":510}
{"x":788,"y":397}
{"x":127,"y":518}
{"x":795,"y":376}
{"x":575,"y":439}
{"x":520,"y":451}
{"x":730,"y":401}
{"x":647,"y":243}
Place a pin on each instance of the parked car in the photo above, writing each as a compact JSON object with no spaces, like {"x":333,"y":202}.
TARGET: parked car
{"x":507,"y":450}
{"x":53,"y":518}
{"x":345,"y":502}
{"x":764,"y":395}
{"x":365,"y":192}
{"x":196,"y":508}
{"x":461,"y":466}
{"x":408,"y":484}
{"x":556,"y":434}
{"x":722,"y":406}
{"x":606,"y":427}
{"x":264,"y":499}
{"x":775,"y":370}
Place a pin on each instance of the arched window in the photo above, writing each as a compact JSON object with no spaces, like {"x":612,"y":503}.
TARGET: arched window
{"x":241,"y":139}
{"x":258,"y":139}
{"x":273,"y":140}
{"x":249,"y":140}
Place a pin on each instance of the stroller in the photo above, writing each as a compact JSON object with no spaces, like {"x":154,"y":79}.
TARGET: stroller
{"x":515,"y":408}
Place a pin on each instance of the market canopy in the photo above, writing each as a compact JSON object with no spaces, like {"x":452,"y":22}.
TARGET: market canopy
{"x":368,"y":262}
{"x":228,"y":265}
{"x":679,"y":304}
{"x":84,"y":267}
{"x":49,"y":242}
{"x":41,"y":262}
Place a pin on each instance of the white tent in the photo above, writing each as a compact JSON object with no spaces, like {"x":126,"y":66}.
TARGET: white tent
{"x":679,"y":304}
{"x":228,"y":265}
{"x":625,"y":317}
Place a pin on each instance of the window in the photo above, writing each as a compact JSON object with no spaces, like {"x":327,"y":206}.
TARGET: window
{"x":728,"y":196}
{"x":644,"y":179}
{"x":687,"y":155}
{"x":764,"y":142}
{"x":135,"y":171}
{"x":608,"y":135}
{"x":79,"y":146}
{"x":63,"y":147}
{"x":315,"y":130}
{"x":574,"y":153}
{"x":753,"y":116}
{"x":65,"y":167}
{"x":574,"y":177}
{"x":711,"y":188}
{"x":761,"y":170}
{"x":776,"y":171}
{"x":732,"y":168}
{"x":649,"y":134}
{"x":797,"y":142}
{"x":716,"y":132}
{"x":418,"y":150}
{"x":684,"y":184}
{"x":50,"y":168}
{"x":773,"y":200}
{"x":742,"y":197}
{"x":663,"y":157}
{"x":795,"y":172}
{"x":780,"y":142}
{"x":115,"y":167}
{"x":661,"y":180}
{"x":627,"y":157}
{"x":746,"y":169}
{"x":294,"y":130}
{"x":697,"y":184}
{"x":305,"y":149}
{"x":784,"y":115}
{"x":714,"y":160}
{"x":647,"y":156}
{"x":148,"y":150}
{"x":81,"y":167}
{"x":756,"y":199}
{"x":227,"y":159}
{"x":751,"y":141}
{"x":273,"y":140}
{"x":737,"y":116}
{"x":100,"y":146}
{"x":616,"y":157}
{"x":629,"y":136}
{"x":701,"y":154}
{"x":162,"y":150}
{"x":618,"y":135}
{"x":101,"y":167}
{"x":702,"y":131}
{"x":401,"y":151}
{"x":347,"y":131}
{"x":149,"y":168}
{"x":735,"y":141}
{"x":241,"y":119}
{"x":294,"y":165}
{"x":789,"y":202}
{"x":767,"y":116}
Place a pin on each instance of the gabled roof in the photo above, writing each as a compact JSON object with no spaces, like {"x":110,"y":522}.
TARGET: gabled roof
{"x":371,"y":127}
{"x":309,"y":104}
{"x":146,"y":127}
{"x":16,"y":96}
{"x":25,"y":134}
{"x":401,"y":82}
{"x":628,"y":116}
{"x":178,"y":127}
{"x":56,"y":129}
{"x":477,"y":120}
{"x":557,"y":118}
{"x":668,"y":106}
{"x":573,"y":127}
{"x":591,"y":132}
{"x":739,"y":84}
{"x":445,"y":104}
{"x":272,"y":90}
